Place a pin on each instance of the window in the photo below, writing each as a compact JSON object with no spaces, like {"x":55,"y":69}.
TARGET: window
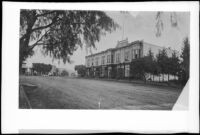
{"x":92,"y":61}
{"x":136,"y":52}
{"x":139,"y":53}
{"x":133,"y":54}
{"x":118,"y":58}
{"x":103,"y":60}
{"x":108,"y":58}
{"x":127,"y":55}
{"x":97,"y":59}
{"x":88,"y":62}
{"x":127,"y":70}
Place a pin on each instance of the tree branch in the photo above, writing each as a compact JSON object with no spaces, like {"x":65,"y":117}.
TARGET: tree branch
{"x":45,"y":13}
{"x":36,"y":43}
{"x":44,"y":27}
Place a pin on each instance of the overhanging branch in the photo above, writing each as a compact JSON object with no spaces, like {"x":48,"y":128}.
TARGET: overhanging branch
{"x":36,"y":43}
{"x":45,"y":13}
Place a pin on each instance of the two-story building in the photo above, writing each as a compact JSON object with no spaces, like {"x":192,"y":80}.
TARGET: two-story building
{"x":109,"y":62}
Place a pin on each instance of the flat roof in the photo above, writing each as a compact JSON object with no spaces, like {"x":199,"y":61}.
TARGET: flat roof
{"x":112,"y":49}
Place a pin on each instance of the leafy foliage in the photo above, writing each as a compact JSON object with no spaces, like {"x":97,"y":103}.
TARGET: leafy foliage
{"x":61,"y":32}
{"x":42,"y":68}
{"x":163,"y":62}
{"x":81,"y":70}
{"x":185,"y":63}
{"x":64,"y":73}
{"x":138,"y":68}
{"x":149,"y":62}
{"x":174,"y":64}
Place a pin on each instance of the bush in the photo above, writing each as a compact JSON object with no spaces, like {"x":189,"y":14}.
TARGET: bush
{"x":64,"y":73}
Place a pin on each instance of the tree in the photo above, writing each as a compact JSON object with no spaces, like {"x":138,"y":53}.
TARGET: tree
{"x":163,"y":62}
{"x":157,"y":69}
{"x":81,"y":70}
{"x":168,"y":66}
{"x":149,"y":63}
{"x":42,"y":68}
{"x":137,"y":69}
{"x":185,"y":64}
{"x":174,"y":64}
{"x":64,"y":73}
{"x":120,"y":73}
{"x":61,"y":32}
{"x":57,"y":72}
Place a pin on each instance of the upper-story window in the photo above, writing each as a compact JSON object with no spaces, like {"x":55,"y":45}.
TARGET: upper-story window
{"x":97,"y":60}
{"x":137,"y":53}
{"x":92,"y":61}
{"x":127,"y":54}
{"x":118,"y":58}
{"x":108,"y":58}
{"x":132,"y":53}
{"x":88,"y":62}
{"x":103,"y":60}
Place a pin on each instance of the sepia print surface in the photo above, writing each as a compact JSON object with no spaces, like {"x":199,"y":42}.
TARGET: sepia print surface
{"x":78,"y":59}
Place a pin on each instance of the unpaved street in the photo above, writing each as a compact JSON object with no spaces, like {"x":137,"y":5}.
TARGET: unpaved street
{"x":73,"y":93}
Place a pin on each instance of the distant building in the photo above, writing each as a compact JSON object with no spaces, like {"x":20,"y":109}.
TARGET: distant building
{"x":60,"y":70}
{"x":24,"y":67}
{"x":27,"y":70}
{"x":73,"y":75}
{"x":53,"y":70}
{"x":56,"y":71}
{"x":108,"y":62}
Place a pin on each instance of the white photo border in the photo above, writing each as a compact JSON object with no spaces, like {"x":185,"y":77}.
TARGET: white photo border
{"x":14,"y":119}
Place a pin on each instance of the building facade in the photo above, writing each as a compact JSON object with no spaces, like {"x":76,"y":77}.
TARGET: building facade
{"x":116,"y":61}
{"x":26,"y":70}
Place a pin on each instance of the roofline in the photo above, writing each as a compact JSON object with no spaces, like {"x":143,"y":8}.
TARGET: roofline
{"x":112,"y":49}
{"x":132,"y":43}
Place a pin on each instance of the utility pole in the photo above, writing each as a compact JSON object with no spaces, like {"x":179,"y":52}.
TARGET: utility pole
{"x":124,"y":15}
{"x":123,"y":30}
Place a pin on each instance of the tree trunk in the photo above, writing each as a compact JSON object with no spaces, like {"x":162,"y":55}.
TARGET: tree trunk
{"x":20,"y":66}
{"x":150,"y":77}
{"x":153,"y":77}
{"x":24,"y":50}
{"x":144,"y":78}
{"x":168,"y":77}
{"x":163,"y":77}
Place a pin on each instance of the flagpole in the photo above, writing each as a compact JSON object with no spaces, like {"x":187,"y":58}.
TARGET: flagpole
{"x":123,"y":30}
{"x":124,"y":13}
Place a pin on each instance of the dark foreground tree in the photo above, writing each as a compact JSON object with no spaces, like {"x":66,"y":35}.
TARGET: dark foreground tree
{"x":185,"y":64}
{"x":81,"y":70}
{"x":42,"y":68}
{"x":149,"y":63}
{"x":60,"y":32}
{"x":137,"y":69}
{"x":64,"y":73}
{"x":174,"y":65}
{"x":163,"y":62}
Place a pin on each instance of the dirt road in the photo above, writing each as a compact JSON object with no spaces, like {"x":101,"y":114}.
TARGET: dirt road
{"x":73,"y":93}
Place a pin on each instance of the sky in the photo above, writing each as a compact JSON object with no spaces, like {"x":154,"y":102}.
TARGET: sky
{"x":137,"y":26}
